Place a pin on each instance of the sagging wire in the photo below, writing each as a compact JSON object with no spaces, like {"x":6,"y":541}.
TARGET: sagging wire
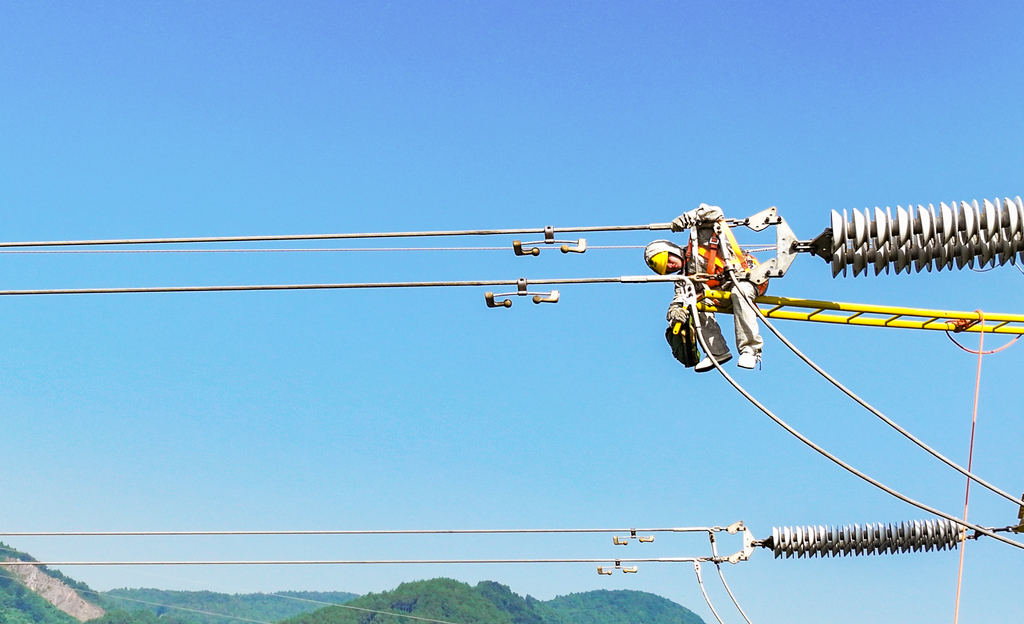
{"x":700,"y":582}
{"x":692,"y":305}
{"x":965,"y":472}
{"x":714,"y":552}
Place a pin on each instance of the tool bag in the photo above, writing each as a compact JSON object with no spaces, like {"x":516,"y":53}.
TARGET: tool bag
{"x":682,"y":337}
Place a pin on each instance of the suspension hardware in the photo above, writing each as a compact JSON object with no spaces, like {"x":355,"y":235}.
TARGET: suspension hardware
{"x":748,"y":542}
{"x":623,"y":541}
{"x":578,"y":246}
{"x":618,"y":566}
{"x":521,"y":291}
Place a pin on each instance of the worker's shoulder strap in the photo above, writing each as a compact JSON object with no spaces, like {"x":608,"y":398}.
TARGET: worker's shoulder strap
{"x":737,"y":253}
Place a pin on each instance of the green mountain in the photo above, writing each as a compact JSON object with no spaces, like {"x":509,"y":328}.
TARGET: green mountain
{"x":452,"y":601}
{"x":438,"y":599}
{"x":20,"y":605}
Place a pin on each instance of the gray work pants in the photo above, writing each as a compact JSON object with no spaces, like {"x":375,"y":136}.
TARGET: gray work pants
{"x":748,"y":336}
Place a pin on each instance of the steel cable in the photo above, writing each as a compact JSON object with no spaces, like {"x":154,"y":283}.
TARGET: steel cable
{"x":885,"y":418}
{"x":979,"y":529}
{"x":355,"y":562}
{"x":700,"y":582}
{"x":300,"y":237}
{"x":626,"y":279}
{"x":353,"y":532}
{"x":714,"y":551}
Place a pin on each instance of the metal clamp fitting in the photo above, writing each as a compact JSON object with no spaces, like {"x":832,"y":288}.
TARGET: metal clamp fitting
{"x":521,"y":291}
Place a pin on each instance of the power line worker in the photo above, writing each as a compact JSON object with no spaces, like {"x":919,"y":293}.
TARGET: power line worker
{"x":665,"y":257}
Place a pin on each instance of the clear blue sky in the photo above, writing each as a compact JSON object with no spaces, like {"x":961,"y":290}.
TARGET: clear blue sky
{"x":425,"y":409}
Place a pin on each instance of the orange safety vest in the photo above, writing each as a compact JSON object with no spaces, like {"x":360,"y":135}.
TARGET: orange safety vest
{"x":716,"y":263}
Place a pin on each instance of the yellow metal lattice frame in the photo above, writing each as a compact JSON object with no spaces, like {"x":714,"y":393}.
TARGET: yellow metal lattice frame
{"x":792,"y":309}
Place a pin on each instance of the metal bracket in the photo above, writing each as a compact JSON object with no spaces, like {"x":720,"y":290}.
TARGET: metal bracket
{"x":521,"y":291}
{"x":577,"y":246}
{"x":759,"y":221}
{"x":618,"y":566}
{"x":623,"y":541}
{"x":785,"y":252}
{"x":748,"y":543}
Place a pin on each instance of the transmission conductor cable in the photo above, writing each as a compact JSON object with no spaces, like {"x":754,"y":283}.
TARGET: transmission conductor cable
{"x":355,"y":532}
{"x":355,"y":562}
{"x":979,"y":529}
{"x":626,"y":279}
{"x":302,"y":237}
{"x":700,"y":582}
{"x":885,"y":418}
{"x":714,"y":551}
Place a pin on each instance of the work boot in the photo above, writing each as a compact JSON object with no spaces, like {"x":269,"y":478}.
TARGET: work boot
{"x":706,"y":364}
{"x":748,"y":360}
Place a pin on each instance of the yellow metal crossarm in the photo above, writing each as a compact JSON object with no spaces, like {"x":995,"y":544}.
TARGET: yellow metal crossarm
{"x":792,"y":309}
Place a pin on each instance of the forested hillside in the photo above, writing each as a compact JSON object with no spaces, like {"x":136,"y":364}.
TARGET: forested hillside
{"x":452,"y":601}
{"x":440,"y":599}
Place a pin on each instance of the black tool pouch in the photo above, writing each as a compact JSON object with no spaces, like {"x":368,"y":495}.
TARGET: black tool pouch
{"x":682,"y":337}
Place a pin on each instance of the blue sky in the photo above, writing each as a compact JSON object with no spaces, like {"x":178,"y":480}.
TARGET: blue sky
{"x":425,"y":409}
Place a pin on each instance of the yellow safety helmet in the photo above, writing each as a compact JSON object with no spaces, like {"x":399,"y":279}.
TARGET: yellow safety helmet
{"x":656,"y":255}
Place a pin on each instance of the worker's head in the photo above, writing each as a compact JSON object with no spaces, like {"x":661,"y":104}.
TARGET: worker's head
{"x":664,"y":257}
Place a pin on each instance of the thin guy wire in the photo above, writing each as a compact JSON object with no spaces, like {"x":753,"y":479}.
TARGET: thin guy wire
{"x":357,"y":562}
{"x":965,"y":472}
{"x":970,"y":461}
{"x":242,"y":619}
{"x":714,"y":551}
{"x":836,"y":460}
{"x":353,"y":285}
{"x":298,"y":237}
{"x":353,"y":532}
{"x":700,"y":582}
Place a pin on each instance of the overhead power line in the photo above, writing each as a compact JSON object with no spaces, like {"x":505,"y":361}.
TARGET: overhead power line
{"x":300,"y":250}
{"x":357,"y":562}
{"x":626,"y":279}
{"x":357,"y":532}
{"x":302,"y":237}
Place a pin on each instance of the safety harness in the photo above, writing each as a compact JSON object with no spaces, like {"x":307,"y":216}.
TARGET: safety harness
{"x":716,"y":263}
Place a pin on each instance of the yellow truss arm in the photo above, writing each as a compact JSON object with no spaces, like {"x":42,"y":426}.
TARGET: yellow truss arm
{"x":792,"y":309}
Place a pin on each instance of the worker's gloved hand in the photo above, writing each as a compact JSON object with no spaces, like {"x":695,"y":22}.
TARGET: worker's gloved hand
{"x":677,"y":313}
{"x":684,"y":222}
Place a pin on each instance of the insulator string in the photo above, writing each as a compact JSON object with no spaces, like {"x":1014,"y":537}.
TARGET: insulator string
{"x":990,"y":233}
{"x":870,"y":539}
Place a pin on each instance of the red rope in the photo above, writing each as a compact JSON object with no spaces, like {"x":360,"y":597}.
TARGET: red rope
{"x":972,"y":351}
{"x":970,"y":457}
